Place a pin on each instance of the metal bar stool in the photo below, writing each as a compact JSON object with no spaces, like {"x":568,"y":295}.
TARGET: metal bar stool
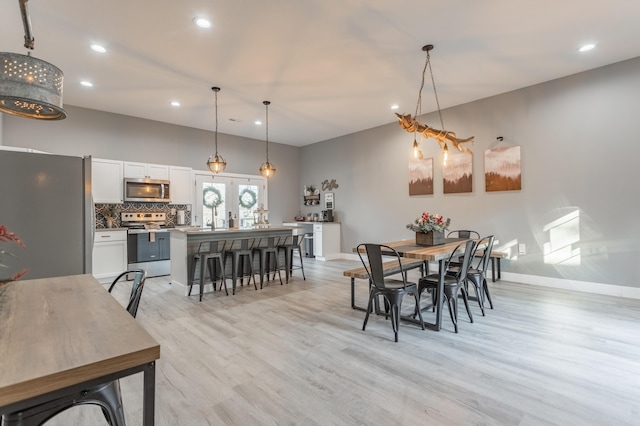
{"x":292,"y":244}
{"x":267,"y":249}
{"x":240,"y":250}
{"x":208,"y":253}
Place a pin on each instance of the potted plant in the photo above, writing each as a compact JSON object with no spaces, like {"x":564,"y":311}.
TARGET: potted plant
{"x":110,"y":213}
{"x":429,"y":229}
{"x":7,"y":237}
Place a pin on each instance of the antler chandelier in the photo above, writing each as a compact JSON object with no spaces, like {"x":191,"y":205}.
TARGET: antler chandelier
{"x":412,"y":125}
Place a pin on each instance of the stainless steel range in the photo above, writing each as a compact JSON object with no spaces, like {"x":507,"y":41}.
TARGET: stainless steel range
{"x":147,"y":242}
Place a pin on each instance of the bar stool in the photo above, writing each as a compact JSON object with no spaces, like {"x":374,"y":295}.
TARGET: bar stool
{"x":292,"y":243}
{"x":209,"y":256}
{"x":239,"y":250}
{"x":267,"y":249}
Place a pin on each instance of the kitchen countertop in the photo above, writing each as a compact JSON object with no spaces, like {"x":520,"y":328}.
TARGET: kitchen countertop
{"x":196,"y":230}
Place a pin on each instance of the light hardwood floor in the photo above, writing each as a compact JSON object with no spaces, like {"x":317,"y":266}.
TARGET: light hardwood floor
{"x":296,"y":354}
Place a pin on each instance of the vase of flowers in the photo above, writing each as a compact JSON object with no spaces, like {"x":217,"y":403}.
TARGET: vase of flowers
{"x":429,"y":229}
{"x":110,"y":213}
{"x":7,"y":237}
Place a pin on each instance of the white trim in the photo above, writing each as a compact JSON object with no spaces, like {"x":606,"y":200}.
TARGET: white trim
{"x":584,"y":286}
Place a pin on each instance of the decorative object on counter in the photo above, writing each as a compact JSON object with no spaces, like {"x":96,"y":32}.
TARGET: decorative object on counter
{"x":248,"y":198}
{"x":299,"y":217}
{"x":329,"y":185}
{"x":9,"y":237}
{"x":216,"y":163}
{"x":30,"y":87}
{"x":429,"y":229}
{"x":259,"y":217}
{"x":110,"y":213}
{"x":502,"y":167}
{"x":412,"y":125}
{"x":267,"y":169}
{"x":231,"y":222}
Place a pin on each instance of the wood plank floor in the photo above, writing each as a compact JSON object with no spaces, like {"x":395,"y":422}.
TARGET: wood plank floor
{"x":296,"y":354}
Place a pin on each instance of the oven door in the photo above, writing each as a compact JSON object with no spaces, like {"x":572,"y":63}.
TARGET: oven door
{"x":147,"y":246}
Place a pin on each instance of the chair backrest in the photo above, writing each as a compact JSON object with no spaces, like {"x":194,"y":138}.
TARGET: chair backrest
{"x":463,"y":233}
{"x":212,"y":246}
{"x":242,"y":244}
{"x":485,"y":244}
{"x":374,"y":266}
{"x":139,"y":277}
{"x":268,"y":242}
{"x":468,"y":248}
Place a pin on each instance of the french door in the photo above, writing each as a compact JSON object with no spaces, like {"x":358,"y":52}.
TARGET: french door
{"x":216,"y":197}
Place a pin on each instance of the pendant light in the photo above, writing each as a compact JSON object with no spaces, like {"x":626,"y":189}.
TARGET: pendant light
{"x":267,"y":169}
{"x":216,"y":163}
{"x":411,"y":124}
{"x":30,"y":87}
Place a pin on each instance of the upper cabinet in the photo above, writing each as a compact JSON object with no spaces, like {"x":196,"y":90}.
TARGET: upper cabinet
{"x":146,"y":171}
{"x":181,"y":184}
{"x":107,"y":181}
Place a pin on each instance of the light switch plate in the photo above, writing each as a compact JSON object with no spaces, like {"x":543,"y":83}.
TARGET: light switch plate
{"x":522,"y":249}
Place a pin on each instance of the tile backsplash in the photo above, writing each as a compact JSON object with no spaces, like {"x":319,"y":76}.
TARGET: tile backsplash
{"x":143,"y":207}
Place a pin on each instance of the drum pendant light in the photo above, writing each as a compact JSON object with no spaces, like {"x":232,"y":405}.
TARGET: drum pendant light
{"x":267,"y":169}
{"x":30,"y":87}
{"x":216,"y":163}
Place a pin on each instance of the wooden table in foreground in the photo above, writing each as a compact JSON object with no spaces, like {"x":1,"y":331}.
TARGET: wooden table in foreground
{"x":66,"y":334}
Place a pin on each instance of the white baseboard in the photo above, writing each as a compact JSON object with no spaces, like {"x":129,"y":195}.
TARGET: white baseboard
{"x":583,"y":286}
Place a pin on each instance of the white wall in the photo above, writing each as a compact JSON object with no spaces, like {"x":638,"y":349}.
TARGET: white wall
{"x":579,"y":146}
{"x":119,"y":137}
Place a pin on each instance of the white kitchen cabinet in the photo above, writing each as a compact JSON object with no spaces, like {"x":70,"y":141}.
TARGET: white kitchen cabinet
{"x":181,"y":184}
{"x":146,"y":171}
{"x":107,"y":181}
{"x":109,"y":254}
{"x":326,"y":240}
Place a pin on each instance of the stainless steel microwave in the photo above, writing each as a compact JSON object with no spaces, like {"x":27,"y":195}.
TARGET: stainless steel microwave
{"x":146,"y":190}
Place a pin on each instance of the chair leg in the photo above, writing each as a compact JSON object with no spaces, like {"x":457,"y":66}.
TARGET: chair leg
{"x":479,"y":288}
{"x":366,"y":317}
{"x":417,"y":297}
{"x":223,"y":280}
{"x":301,"y":263}
{"x":465,"y":298}
{"x":277,"y":266}
{"x":451,"y":303}
{"x":486,"y":291}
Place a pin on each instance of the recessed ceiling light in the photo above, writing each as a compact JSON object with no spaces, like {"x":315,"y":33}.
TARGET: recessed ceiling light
{"x":586,"y":47}
{"x":258,"y":123}
{"x":202,"y":22}
{"x":86,"y":83}
{"x":395,"y":106}
{"x":175,"y":103}
{"x":98,"y":48}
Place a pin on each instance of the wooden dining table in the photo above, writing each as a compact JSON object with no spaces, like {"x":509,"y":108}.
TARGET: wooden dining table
{"x":438,"y":253}
{"x":66,"y":334}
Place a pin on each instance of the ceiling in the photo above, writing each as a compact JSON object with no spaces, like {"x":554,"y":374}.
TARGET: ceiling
{"x":329,"y":68}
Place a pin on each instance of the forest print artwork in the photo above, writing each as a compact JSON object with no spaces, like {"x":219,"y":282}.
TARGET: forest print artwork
{"x":421,"y":176}
{"x":457,"y":174}
{"x":502,"y":169}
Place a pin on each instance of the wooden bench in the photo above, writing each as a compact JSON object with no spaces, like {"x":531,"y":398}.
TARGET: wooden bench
{"x":495,"y":257}
{"x":390,"y":268}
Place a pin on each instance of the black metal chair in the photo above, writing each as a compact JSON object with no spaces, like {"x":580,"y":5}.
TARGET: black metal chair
{"x":267,"y":250}
{"x":107,"y":396}
{"x":463,"y":233}
{"x":239,"y":251}
{"x":291,"y":245}
{"x":392,"y":290}
{"x":454,"y":282}
{"x":477,"y":273}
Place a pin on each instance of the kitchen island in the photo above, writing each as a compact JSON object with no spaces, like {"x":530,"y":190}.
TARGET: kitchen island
{"x":186,"y":241}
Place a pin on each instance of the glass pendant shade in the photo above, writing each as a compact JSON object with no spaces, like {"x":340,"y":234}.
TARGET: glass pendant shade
{"x":267,"y":169}
{"x":216,"y":163}
{"x":417,"y":152}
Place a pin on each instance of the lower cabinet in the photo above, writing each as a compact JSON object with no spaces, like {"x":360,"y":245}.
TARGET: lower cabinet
{"x":326,"y":240}
{"x":109,"y":254}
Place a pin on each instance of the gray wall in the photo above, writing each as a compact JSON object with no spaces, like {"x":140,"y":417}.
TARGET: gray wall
{"x":119,"y":137}
{"x":579,"y":148}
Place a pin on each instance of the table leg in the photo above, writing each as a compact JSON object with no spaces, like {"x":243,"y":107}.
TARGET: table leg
{"x":499,"y":260}
{"x":440,"y":294}
{"x":148,"y":414}
{"x":493,"y":269}
{"x":353,"y":293}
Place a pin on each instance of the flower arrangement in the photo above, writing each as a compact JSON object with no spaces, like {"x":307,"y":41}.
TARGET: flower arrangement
{"x":109,"y":211}
{"x":6,"y":237}
{"x":429,"y":222}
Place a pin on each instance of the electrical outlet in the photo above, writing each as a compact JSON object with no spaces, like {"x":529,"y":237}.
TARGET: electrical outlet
{"x":522,"y":249}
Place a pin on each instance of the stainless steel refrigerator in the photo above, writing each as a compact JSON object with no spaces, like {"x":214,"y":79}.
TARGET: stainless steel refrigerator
{"x":46,"y":201}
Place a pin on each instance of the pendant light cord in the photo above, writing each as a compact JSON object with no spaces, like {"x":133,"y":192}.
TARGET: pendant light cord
{"x":427,"y":63}
{"x":267,"y":127}
{"x":216,"y":133}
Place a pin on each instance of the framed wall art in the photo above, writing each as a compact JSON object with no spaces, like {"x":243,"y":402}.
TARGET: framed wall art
{"x":457,"y":174}
{"x":502,"y":169}
{"x":421,"y":176}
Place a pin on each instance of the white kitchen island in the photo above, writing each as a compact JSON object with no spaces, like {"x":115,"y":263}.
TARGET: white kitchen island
{"x":186,"y":241}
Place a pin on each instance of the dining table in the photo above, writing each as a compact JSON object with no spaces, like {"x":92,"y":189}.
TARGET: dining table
{"x":436,"y":253}
{"x":65,"y":334}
